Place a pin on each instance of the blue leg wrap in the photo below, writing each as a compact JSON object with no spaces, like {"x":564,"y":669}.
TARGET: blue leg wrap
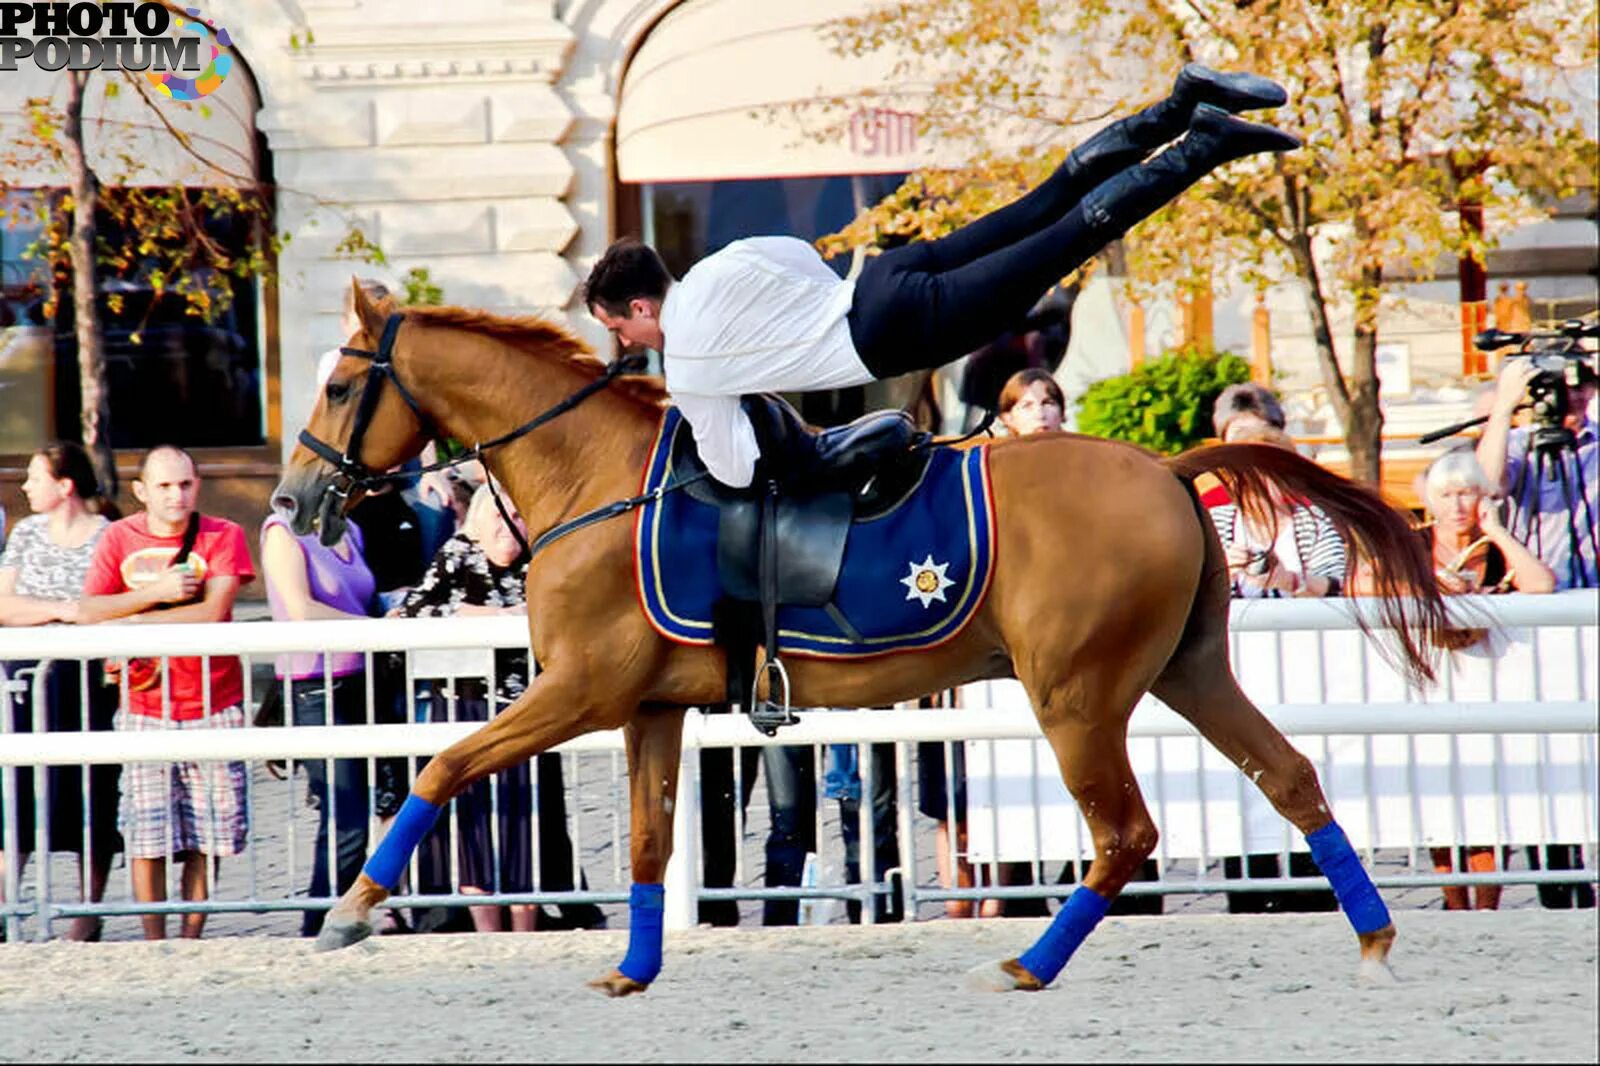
{"x":1340,"y":864}
{"x":1075,"y":920}
{"x":646,"y":908}
{"x":416,"y":817}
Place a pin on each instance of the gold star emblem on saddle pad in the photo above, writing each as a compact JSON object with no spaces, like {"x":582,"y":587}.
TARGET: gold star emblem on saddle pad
{"x":927,"y":581}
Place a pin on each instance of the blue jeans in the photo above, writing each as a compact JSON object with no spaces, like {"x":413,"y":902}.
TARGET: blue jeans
{"x":349,"y":796}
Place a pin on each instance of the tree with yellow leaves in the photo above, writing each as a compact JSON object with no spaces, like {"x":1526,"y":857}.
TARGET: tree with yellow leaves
{"x":1408,"y":109}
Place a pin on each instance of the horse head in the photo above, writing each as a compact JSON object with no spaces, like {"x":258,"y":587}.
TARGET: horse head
{"x":365,"y":423}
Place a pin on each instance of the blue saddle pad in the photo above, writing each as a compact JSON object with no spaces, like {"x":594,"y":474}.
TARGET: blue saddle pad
{"x":912,"y":577}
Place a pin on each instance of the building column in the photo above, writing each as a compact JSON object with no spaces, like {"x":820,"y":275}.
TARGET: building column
{"x":441,"y":140}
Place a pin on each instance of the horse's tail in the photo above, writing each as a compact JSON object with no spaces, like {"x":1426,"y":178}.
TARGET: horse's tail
{"x":1374,"y":534}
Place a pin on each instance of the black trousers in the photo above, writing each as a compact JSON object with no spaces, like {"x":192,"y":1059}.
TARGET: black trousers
{"x":721,"y":811}
{"x":927,"y":303}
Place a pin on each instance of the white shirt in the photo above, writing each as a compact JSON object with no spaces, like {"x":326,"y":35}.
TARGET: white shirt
{"x":764,"y":314}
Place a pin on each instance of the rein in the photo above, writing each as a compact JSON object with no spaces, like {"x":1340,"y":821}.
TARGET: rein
{"x":352,"y":475}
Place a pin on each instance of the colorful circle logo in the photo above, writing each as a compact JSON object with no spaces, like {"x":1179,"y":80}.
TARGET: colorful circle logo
{"x":208,"y":80}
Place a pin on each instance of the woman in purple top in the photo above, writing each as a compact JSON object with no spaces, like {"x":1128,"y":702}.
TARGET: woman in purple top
{"x":306,"y":579}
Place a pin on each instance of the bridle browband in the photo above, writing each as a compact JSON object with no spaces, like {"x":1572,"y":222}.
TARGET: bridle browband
{"x":352,"y":475}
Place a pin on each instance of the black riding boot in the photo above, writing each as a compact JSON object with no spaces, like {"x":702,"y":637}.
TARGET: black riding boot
{"x":1129,"y":141}
{"x":1214,"y":138}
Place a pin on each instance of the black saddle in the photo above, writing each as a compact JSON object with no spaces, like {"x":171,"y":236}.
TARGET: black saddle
{"x":781,"y":541}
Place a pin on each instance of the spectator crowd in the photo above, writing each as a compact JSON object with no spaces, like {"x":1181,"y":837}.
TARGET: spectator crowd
{"x":1496,"y":521}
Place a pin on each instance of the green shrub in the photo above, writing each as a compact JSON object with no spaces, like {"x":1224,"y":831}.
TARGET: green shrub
{"x":419,"y":289}
{"x":1164,"y":405}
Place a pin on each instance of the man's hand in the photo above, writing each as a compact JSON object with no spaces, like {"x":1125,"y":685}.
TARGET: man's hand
{"x":1513,"y":385}
{"x":177,"y":585}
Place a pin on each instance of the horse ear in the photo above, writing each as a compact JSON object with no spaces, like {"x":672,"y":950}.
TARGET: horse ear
{"x":368,"y":313}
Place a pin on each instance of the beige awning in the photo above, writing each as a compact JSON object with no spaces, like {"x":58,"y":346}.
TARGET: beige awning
{"x":129,"y":142}
{"x":708,"y":96}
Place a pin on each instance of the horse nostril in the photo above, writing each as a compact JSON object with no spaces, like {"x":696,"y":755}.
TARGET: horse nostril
{"x":286,"y":505}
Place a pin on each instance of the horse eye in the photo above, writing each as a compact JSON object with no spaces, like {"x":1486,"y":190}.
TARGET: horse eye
{"x":337,"y":391}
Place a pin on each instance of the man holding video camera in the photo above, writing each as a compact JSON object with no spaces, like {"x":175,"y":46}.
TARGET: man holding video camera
{"x":1554,"y":504}
{"x":1549,"y":469}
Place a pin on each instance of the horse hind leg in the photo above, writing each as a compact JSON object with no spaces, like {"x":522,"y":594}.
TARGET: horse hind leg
{"x":1198,"y":683}
{"x":654,"y":740}
{"x":1088,"y":733}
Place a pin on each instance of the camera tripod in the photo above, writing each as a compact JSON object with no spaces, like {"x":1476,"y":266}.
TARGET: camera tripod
{"x":1553,"y":459}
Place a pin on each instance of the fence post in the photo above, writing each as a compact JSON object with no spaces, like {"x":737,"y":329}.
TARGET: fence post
{"x":10,"y":832}
{"x":683,"y":869}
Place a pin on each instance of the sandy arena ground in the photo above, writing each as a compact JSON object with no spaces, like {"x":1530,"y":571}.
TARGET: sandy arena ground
{"x":1507,"y":986}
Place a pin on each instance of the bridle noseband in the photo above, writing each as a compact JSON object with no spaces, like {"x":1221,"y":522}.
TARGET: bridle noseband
{"x":351,"y":475}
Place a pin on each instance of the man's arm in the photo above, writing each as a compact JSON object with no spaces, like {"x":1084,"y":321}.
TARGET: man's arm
{"x":1492,"y":446}
{"x":174,"y":586}
{"x":723,"y":435}
{"x":215,"y":606}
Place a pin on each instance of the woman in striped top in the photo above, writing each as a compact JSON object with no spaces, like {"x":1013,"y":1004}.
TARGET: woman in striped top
{"x":1302,"y":556}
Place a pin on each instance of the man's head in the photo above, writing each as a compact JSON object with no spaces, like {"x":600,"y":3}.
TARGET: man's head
{"x":625,"y":290}
{"x":168,"y":485}
{"x":1243,"y":406}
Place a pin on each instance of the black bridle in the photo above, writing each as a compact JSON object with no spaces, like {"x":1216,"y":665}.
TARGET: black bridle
{"x":351,"y":475}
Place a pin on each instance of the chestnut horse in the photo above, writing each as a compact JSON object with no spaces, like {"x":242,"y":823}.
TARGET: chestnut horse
{"x":1108,"y":582}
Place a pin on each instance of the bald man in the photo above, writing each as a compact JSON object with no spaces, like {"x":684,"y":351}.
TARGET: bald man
{"x":169,"y":563}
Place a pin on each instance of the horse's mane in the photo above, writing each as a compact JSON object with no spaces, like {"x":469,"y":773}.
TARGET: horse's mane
{"x":545,"y":338}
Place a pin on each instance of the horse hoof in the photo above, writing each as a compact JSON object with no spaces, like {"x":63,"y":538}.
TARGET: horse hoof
{"x":1375,"y":948}
{"x":1376,"y":973}
{"x":1006,"y":976}
{"x":336,"y":935}
{"x":616,"y":985}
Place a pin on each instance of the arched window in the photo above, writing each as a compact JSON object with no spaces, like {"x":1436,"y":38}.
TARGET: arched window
{"x":172,"y":375}
{"x":709,"y":151}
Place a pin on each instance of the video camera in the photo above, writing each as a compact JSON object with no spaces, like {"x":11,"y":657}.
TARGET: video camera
{"x":1559,"y":359}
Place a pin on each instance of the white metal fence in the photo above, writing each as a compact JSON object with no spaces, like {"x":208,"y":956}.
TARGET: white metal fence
{"x":1527,"y":701}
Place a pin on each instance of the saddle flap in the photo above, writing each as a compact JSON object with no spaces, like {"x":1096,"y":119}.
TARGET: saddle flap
{"x":811,"y":532}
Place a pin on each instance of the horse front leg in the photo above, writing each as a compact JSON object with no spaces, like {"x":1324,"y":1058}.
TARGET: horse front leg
{"x":654,"y":740}
{"x":554,"y":709}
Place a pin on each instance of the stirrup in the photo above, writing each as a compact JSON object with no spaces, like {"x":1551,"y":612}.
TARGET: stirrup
{"x":766,"y":714}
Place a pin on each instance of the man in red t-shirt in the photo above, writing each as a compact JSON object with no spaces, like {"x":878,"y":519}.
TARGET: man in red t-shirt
{"x":187,"y":810}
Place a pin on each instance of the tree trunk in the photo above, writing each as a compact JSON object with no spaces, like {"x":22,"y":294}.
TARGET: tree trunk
{"x":1363,"y":433}
{"x":95,"y":399}
{"x":1355,"y":401}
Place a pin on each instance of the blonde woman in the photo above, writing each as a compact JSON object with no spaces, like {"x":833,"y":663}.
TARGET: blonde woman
{"x":1472,"y":553}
